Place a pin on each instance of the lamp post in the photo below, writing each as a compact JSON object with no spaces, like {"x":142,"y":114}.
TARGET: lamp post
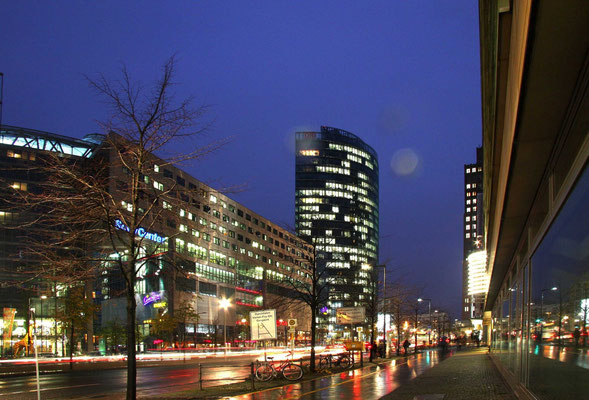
{"x":32,"y":312}
{"x":437,"y":323}
{"x":416,"y":321}
{"x":224,"y":304}
{"x":43,"y":297}
{"x":542,"y":309}
{"x":429,"y":307}
{"x":384,"y":317}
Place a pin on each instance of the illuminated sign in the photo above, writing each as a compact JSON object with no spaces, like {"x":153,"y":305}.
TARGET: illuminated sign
{"x":151,"y":298}
{"x":141,"y":232}
{"x":160,"y":304}
{"x":478,"y":279}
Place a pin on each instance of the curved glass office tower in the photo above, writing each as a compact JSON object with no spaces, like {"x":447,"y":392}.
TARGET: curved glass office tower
{"x":337,"y":210}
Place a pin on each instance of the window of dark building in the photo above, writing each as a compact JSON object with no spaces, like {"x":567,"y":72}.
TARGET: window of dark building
{"x":191,"y":185}
{"x":168,"y":173}
{"x":226,"y":292}
{"x":185,"y":198}
{"x":256,"y":221}
{"x":184,"y":284}
{"x":208,"y":289}
{"x":239,"y":212}
{"x":248,"y":240}
{"x":248,"y":217}
{"x":180,"y":181}
{"x":240,"y":237}
{"x":250,"y":230}
{"x":171,"y":223}
{"x":206,"y":208}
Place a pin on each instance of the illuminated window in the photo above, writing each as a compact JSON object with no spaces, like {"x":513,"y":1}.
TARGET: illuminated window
{"x":309,"y":152}
{"x":156,"y":168}
{"x":127,"y":206}
{"x":213,"y":199}
{"x":158,"y":186}
{"x":166,"y":205}
{"x":19,"y":186}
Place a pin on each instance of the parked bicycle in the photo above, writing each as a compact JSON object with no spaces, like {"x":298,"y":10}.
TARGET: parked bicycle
{"x":336,"y":360}
{"x":267,"y":370}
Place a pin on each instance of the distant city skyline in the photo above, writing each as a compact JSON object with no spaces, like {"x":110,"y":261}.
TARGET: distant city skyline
{"x":404,"y":78}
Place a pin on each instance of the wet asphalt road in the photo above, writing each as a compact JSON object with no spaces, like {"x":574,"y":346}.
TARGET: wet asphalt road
{"x":109,"y":383}
{"x":367,"y":383}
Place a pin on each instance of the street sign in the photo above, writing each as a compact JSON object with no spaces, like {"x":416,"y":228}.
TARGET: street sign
{"x":354,"y":345}
{"x":350,"y":315}
{"x":263,"y":324}
{"x":292,"y":322}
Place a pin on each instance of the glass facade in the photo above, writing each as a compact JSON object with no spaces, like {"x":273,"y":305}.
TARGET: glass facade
{"x":540,"y":318}
{"x":337,"y":210}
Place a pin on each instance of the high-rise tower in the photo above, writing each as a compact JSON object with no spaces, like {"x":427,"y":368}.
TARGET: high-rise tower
{"x":337,"y":210}
{"x":474,"y":279}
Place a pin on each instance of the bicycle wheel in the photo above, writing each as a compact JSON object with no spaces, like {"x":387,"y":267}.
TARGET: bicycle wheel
{"x":292,"y":372}
{"x":264,"y":372}
{"x":344,"y":362}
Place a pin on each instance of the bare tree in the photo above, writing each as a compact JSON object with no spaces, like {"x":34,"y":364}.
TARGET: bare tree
{"x":75,"y":314}
{"x":87,"y":214}
{"x":400,"y":301}
{"x":312,"y":291}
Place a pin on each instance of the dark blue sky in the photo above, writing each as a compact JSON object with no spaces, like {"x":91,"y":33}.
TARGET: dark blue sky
{"x":402,"y":75}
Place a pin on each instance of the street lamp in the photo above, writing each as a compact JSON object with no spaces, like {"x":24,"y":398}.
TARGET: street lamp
{"x":224,"y":304}
{"x":42,"y":297}
{"x":32,"y":312}
{"x":429,"y":306}
{"x":437,"y":323}
{"x":542,"y":309}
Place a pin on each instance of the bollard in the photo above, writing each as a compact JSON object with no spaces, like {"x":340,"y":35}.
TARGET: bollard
{"x":200,"y":376}
{"x":361,"y":358}
{"x":253,"y":376}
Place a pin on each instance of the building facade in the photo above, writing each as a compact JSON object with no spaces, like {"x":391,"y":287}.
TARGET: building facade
{"x":535,"y":98}
{"x":200,"y":246}
{"x":337,"y":210}
{"x":473,"y":272}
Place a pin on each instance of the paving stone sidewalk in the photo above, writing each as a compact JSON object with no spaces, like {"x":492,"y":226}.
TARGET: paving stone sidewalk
{"x":467,"y":375}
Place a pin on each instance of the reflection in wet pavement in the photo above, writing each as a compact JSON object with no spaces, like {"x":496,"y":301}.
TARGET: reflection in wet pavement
{"x":367,"y":383}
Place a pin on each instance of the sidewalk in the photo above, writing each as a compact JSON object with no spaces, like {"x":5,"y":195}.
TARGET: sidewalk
{"x":468,"y":375}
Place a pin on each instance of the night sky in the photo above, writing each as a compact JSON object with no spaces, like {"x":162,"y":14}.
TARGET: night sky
{"x":402,"y":75}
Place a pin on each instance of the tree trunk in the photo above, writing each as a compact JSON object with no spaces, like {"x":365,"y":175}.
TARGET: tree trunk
{"x":131,"y":360}
{"x":313,"y":335}
{"x":72,"y":346}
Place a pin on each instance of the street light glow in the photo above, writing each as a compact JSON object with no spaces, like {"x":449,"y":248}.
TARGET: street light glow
{"x":224,"y":303}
